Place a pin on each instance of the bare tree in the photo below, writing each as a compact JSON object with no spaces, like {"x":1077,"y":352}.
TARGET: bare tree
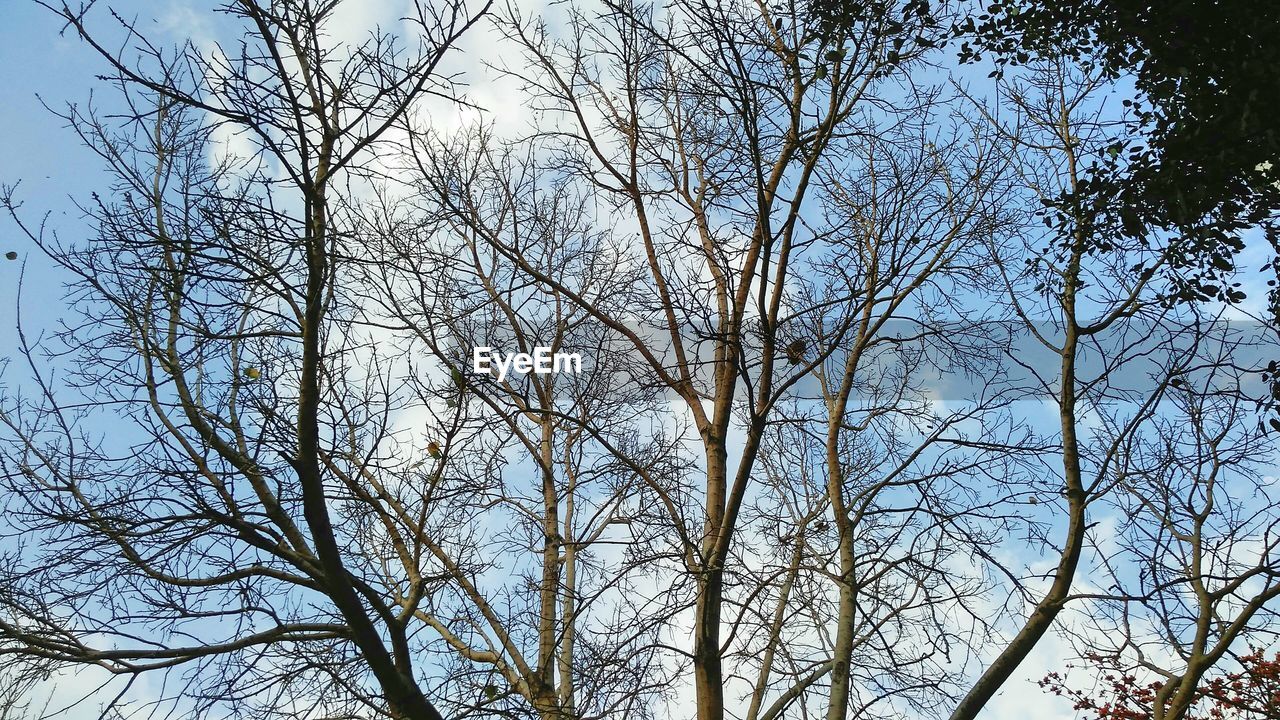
{"x":900,"y":476}
{"x":220,"y":530}
{"x":715,"y":134}
{"x":1104,"y":308}
{"x":562,"y":520}
{"x":1202,"y":528}
{"x":813,"y":289}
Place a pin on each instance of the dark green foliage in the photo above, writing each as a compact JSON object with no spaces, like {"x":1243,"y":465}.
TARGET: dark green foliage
{"x":1199,"y":161}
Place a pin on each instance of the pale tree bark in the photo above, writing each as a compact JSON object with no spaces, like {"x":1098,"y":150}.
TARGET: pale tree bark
{"x":567,"y":495}
{"x":1054,"y":131}
{"x":719,"y":231}
{"x":645,"y":132}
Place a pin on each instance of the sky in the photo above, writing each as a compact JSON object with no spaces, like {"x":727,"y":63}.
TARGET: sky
{"x":37,"y":65}
{"x":36,"y":151}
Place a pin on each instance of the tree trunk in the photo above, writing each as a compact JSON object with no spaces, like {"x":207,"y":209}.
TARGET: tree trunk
{"x":707,"y":671}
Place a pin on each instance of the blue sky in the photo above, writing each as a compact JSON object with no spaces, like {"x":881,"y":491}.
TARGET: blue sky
{"x":37,"y":151}
{"x":53,"y":167}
